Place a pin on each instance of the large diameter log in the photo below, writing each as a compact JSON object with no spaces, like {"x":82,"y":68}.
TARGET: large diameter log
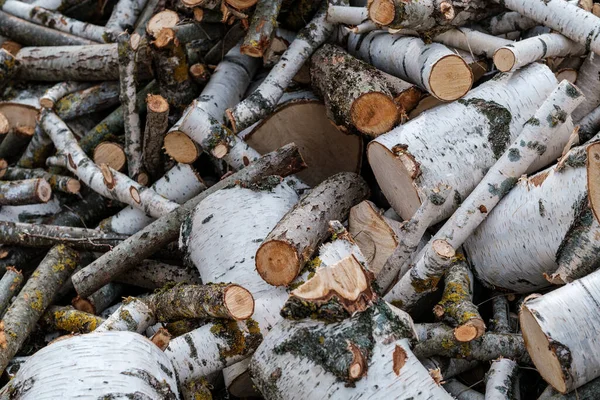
{"x":561,"y":331}
{"x":125,"y":365}
{"x":301,"y":118}
{"x":482,"y":124}
{"x":286,"y":249}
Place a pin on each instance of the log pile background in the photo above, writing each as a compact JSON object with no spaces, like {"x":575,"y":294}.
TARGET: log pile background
{"x":299,"y":199}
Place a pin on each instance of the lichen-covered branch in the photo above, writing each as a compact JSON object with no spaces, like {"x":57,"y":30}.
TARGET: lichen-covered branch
{"x":60,"y":90}
{"x":262,"y":27}
{"x":89,"y":100}
{"x":70,"y":320}
{"x":10,"y":285}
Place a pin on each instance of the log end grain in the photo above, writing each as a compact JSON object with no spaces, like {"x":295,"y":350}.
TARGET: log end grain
{"x":111,"y":154}
{"x":374,"y":113}
{"x":163,"y":19}
{"x":277,"y":262}
{"x":382,"y":12}
{"x":73,"y":186}
{"x":157,"y":104}
{"x":4,"y":124}
{"x":163,"y":38}
{"x":180,"y":147}
{"x":469,"y":331}
{"x":161,"y":338}
{"x":450,"y":78}
{"x":239,"y":302}
{"x":542,"y":351}
{"x":504,"y":59}
{"x":43,"y":190}
{"x":570,"y":74}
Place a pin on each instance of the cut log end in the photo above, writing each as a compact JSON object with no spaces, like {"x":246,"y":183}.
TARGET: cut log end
{"x":143,"y":179}
{"x":192,"y":3}
{"x":469,"y":331}
{"x":443,"y":249}
{"x":220,"y":150}
{"x":593,"y":178}
{"x":84,"y":305}
{"x":156,"y":103}
{"x":111,"y":154}
{"x":569,"y":74}
{"x":239,"y":302}
{"x":374,"y":113}
{"x":277,"y":262}
{"x":161,"y":338}
{"x":109,"y":179}
{"x":4,"y":124}
{"x":163,"y":19}
{"x":43,"y":190}
{"x":541,"y":351}
{"x":241,"y":4}
{"x":180,"y":147}
{"x":46,"y":103}
{"x":382,"y":12}
{"x":395,"y":180}
{"x":164,"y":37}
{"x":3,"y":167}
{"x":504,"y":59}
{"x":253,"y":51}
{"x":25,"y":130}
{"x":450,"y":78}
{"x":73,"y":186}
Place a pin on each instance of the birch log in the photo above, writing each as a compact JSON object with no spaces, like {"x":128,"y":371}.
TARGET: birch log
{"x":502,"y":380}
{"x":15,"y":141}
{"x":506,"y":22}
{"x":436,"y":69}
{"x":10,"y":285}
{"x":589,"y":82}
{"x":29,"y":34}
{"x":532,"y":143}
{"x":60,"y":90}
{"x":475,"y":42}
{"x":28,"y":191}
{"x":133,"y":315}
{"x":523,"y":52}
{"x":286,"y":249}
{"x":561,"y":333}
{"x":87,"y":101}
{"x":347,"y":15}
{"x":261,"y":29}
{"x":157,"y":116}
{"x":404,"y":161}
{"x":100,"y":300}
{"x":125,"y":14}
{"x":61,"y":183}
{"x":8,"y":67}
{"x":150,"y":274}
{"x":70,"y":320}
{"x":461,"y":391}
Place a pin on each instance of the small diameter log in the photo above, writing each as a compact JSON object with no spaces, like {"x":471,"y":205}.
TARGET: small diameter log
{"x":498,"y":108}
{"x":61,"y":183}
{"x":217,"y":300}
{"x":523,"y":52}
{"x":124,"y":365}
{"x":31,"y":302}
{"x":125,"y":14}
{"x":500,"y":322}
{"x":103,"y":180}
{"x":262,"y":26}
{"x":589,"y":391}
{"x":347,"y":15}
{"x":111,"y":154}
{"x":156,"y":126}
{"x":438,"y":340}
{"x":150,"y":274}
{"x":179,"y":184}
{"x":264,"y":99}
{"x":502,"y":380}
{"x":128,"y":46}
{"x":587,"y":80}
{"x":8,"y":67}
{"x":133,"y":315}
{"x":506,"y":22}
{"x":70,"y":320}
{"x":286,"y":249}
{"x":475,"y":42}
{"x":28,"y":191}
{"x":461,"y":391}
{"x":10,"y":285}
{"x":15,"y":142}
{"x":60,"y":90}
{"x":200,"y":73}
{"x":100,"y":300}
{"x":355,"y":93}
{"x":501,"y":177}
{"x":560,"y":331}
{"x":436,"y":69}
{"x":456,"y":306}
{"x":87,"y":101}
{"x":283,"y":162}
{"x":160,"y":20}
{"x":555,"y":14}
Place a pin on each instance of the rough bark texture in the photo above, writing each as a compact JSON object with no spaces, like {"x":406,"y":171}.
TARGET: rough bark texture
{"x":37,"y":294}
{"x":150,"y":274}
{"x":40,"y":147}
{"x":125,"y":14}
{"x":60,"y":90}
{"x":70,"y":320}
{"x":8,"y":67}
{"x":61,"y":183}
{"x":15,"y":141}
{"x":100,"y":300}
{"x":133,"y":315}
{"x":500,"y":322}
{"x":93,"y":99}
{"x":10,"y":285}
{"x":502,"y":380}
{"x":157,"y":114}
{"x":262,"y":26}
{"x":286,"y":249}
{"x":28,"y":191}
{"x":29,"y":34}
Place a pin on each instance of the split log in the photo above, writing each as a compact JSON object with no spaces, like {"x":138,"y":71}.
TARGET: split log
{"x":262,"y":26}
{"x":523,"y":52}
{"x":216,"y":300}
{"x":15,"y":141}
{"x":560,"y":333}
{"x":301,"y":118}
{"x":405,"y":161}
{"x":133,"y":315}
{"x":179,"y":185}
{"x":283,"y":162}
{"x":28,"y":191}
{"x":70,"y":320}
{"x":156,"y":126}
{"x":475,"y":42}
{"x":93,"y":99}
{"x":10,"y":285}
{"x":60,"y":90}
{"x":105,"y":181}
{"x":587,"y":80}
{"x":100,"y":300}
{"x":127,"y":365}
{"x":502,"y":380}
{"x":265,"y":98}
{"x":150,"y":274}
{"x":356,"y":94}
{"x":286,"y":249}
{"x":531,"y":144}
{"x":37,"y":294}
{"x":125,"y":14}
{"x":61,"y":183}
{"x":436,"y":69}
{"x":29,"y":34}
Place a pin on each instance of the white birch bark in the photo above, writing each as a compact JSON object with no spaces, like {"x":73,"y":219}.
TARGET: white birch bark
{"x":588,"y":80}
{"x":502,"y":380}
{"x":507,"y":22}
{"x":106,"y":182}
{"x":470,"y":40}
{"x":97,"y":365}
{"x":433,"y":68}
{"x":125,"y":14}
{"x":518,"y":54}
{"x":179,"y":184}
{"x":461,"y":391}
{"x":562,"y":333}
{"x":532,"y":143}
{"x":133,"y":315}
{"x":347,"y":15}
{"x":482,"y":125}
{"x":24,"y":192}
{"x":60,"y":90}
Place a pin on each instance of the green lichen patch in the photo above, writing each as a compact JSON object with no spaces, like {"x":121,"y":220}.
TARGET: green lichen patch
{"x":538,"y":147}
{"x":499,"y":119}
{"x":514,"y":155}
{"x":572,"y":92}
{"x":558,"y":116}
{"x":238,"y":342}
{"x":504,"y":187}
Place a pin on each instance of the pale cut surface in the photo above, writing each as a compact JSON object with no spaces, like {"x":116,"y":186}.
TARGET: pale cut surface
{"x":239,"y":302}
{"x":19,"y":114}
{"x":163,"y":19}
{"x":382,"y":11}
{"x":179,"y":146}
{"x":277,"y":262}
{"x":593,"y":178}
{"x":504,"y":59}
{"x":451,"y":78}
{"x":374,"y":113}
{"x":111,"y":154}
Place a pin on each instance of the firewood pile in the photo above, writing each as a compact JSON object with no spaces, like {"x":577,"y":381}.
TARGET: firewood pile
{"x":299,"y":199}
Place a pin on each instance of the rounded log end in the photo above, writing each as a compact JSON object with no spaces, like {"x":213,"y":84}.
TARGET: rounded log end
{"x":239,"y":301}
{"x":3,"y":166}
{"x":443,"y":248}
{"x":111,"y":154}
{"x":157,"y":104}
{"x":253,"y":51}
{"x":504,"y":59}
{"x":374,"y":113}
{"x":164,"y":37}
{"x":382,"y":12}
{"x":46,"y":103}
{"x":180,"y":147}
{"x":470,"y":330}
{"x":542,"y":351}
{"x":277,"y":262}
{"x":163,"y":19}
{"x":241,"y":4}
{"x":4,"y":124}
{"x":143,"y":179}
{"x":43,"y":190}
{"x":395,"y":180}
{"x":220,"y":150}
{"x":199,"y":72}
{"x":73,"y":186}
{"x":192,"y":3}
{"x":84,"y":305}
{"x":450,"y":78}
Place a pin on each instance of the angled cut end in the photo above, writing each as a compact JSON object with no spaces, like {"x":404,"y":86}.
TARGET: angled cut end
{"x":181,"y":147}
{"x":43,"y":190}
{"x":450,"y":78}
{"x":277,"y":262}
{"x":504,"y":59}
{"x":239,"y":302}
{"x":157,"y":104}
{"x":163,"y":19}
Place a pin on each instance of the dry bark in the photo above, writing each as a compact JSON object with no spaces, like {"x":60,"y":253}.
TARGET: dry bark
{"x":87,"y":101}
{"x":70,"y":320}
{"x":156,"y":126}
{"x":22,"y":192}
{"x":262,"y":27}
{"x":10,"y":285}
{"x":100,"y":300}
{"x":150,"y":274}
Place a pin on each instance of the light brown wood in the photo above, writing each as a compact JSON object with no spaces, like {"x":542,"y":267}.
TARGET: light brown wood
{"x":277,"y":262}
{"x":4,"y":124}
{"x":43,"y":190}
{"x":593,"y":178}
{"x":596,"y":9}
{"x":241,"y":4}
{"x":3,"y":166}
{"x":426,"y":103}
{"x":408,"y":100}
{"x":374,"y":113}
{"x":181,"y":148}
{"x":111,"y":154}
{"x":569,"y":74}
{"x":157,"y":103}
{"x":161,"y":338}
{"x":73,"y":186}
{"x":325,"y":148}
{"x":470,"y":330}
{"x":19,"y":114}
{"x":450,"y":78}
{"x":163,"y":38}
{"x":200,"y":73}
{"x":84,"y":305}
{"x":163,"y":19}
{"x":239,"y":302}
{"x":382,"y":12}
{"x":11,"y":46}
{"x":109,"y":179}
{"x":504,"y":59}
